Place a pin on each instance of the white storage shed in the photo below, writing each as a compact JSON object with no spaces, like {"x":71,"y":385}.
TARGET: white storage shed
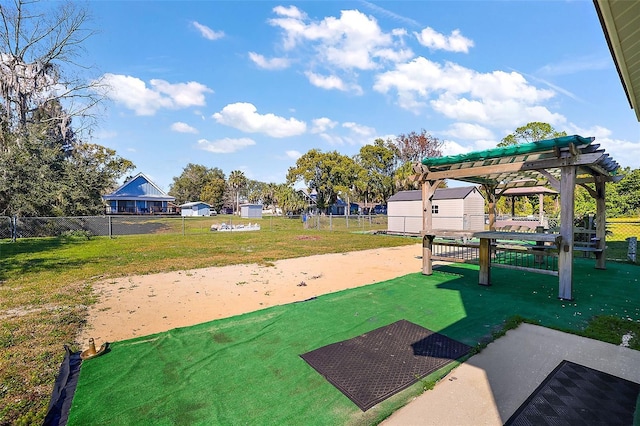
{"x":459,"y":208}
{"x":251,"y":211}
{"x":196,"y":208}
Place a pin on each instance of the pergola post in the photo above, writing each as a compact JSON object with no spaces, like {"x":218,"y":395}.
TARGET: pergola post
{"x":565,"y":251}
{"x":541,"y":208}
{"x":428,"y":189}
{"x":490,"y":191}
{"x":601,"y":224}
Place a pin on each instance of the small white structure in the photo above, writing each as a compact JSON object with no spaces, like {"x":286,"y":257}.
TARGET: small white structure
{"x":459,"y":208}
{"x":196,"y":208}
{"x":223,"y":227}
{"x":251,"y":211}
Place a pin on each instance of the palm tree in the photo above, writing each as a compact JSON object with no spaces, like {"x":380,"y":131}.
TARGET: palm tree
{"x":237,"y":180}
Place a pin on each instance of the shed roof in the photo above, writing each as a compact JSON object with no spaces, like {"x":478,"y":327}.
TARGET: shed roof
{"x":194,"y":203}
{"x":440,"y":194}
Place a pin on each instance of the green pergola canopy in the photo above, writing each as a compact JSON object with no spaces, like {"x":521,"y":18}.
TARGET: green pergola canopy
{"x":522,"y":149}
{"x":561,"y":163}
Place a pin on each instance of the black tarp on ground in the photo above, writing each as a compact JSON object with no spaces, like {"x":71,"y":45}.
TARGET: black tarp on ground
{"x":374,"y":366}
{"x":63,"y":389}
{"x":573,"y":394}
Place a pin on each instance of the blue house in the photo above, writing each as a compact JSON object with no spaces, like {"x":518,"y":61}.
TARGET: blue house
{"x":138,"y":196}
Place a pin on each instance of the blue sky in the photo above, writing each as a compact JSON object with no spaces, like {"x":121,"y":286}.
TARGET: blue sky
{"x":251,"y":86}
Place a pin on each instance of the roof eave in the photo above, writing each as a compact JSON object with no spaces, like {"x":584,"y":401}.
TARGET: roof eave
{"x":610,"y":28}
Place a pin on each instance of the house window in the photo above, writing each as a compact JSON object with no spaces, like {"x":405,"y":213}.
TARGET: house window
{"x":434,"y":209}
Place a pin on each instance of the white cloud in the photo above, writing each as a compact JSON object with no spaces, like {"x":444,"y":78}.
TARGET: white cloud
{"x":352,"y":41}
{"x":225,"y":146}
{"x":207,"y":32}
{"x":595,"y":131}
{"x":359,"y":129}
{"x":293,"y":154}
{"x":321,"y":125}
{"x":329,"y":82}
{"x":269,"y":64}
{"x":244,"y":116}
{"x":497,"y":98}
{"x":134,"y":94}
{"x":468,"y":131}
{"x":353,"y":133}
{"x":453,"y":148}
{"x":183,"y":94}
{"x":289,"y":12}
{"x":391,"y":14}
{"x":332,"y":139}
{"x":574,"y":65}
{"x":181,"y":127}
{"x":455,"y":42}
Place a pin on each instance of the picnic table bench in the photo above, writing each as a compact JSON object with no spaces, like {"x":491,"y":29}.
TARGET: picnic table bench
{"x":543,"y":242}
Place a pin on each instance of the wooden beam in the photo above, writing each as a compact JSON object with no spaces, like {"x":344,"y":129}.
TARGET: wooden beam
{"x":592,"y":179}
{"x":485,"y":262}
{"x":555,"y":183}
{"x":590,"y":190}
{"x":565,"y":254}
{"x":427,"y":253}
{"x":490,"y":191}
{"x":601,"y":224}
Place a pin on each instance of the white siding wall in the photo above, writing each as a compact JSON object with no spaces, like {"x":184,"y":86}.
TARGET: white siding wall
{"x":197,"y":210}
{"x":474,"y":208}
{"x":251,"y":211}
{"x":449,"y":214}
{"x":404,"y":217}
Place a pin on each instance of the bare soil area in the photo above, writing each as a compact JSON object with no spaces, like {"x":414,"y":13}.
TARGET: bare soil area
{"x":141,"y":305}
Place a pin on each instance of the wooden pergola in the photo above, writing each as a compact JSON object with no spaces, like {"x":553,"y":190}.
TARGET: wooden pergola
{"x":561,"y":163}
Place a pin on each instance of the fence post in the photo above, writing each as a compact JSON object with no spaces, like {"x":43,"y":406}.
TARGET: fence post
{"x":183,"y":231}
{"x":110,"y":227}
{"x":633,"y":247}
{"x":330,"y":222}
{"x":14,"y":228}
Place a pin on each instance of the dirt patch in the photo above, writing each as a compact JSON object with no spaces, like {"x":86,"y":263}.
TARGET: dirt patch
{"x":141,"y":305}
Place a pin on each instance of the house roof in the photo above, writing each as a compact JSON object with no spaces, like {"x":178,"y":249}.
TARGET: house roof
{"x":620,"y":21}
{"x":140,"y":187}
{"x":440,"y":194}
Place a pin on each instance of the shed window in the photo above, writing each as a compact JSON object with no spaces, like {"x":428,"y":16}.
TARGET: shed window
{"x":434,"y":209}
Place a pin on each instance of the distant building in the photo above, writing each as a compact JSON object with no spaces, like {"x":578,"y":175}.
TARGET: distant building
{"x":251,"y":211}
{"x":452,"y":208}
{"x":138,"y":196}
{"x":196,"y":208}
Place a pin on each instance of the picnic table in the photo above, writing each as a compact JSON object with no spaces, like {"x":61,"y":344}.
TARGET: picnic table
{"x":488,"y":237}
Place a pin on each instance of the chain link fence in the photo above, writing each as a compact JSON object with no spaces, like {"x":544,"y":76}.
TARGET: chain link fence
{"x":622,"y":234}
{"x":33,"y":227}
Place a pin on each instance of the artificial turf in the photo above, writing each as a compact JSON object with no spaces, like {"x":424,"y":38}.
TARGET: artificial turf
{"x":247,"y":369}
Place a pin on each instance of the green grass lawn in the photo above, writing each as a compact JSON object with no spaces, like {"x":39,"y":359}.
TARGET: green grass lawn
{"x":46,"y":287}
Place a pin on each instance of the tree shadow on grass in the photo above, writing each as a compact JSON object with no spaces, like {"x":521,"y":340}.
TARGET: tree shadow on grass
{"x":28,"y":255}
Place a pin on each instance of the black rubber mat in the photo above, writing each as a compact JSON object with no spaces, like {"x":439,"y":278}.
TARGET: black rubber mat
{"x":577,"y":395}
{"x":370,"y":368}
